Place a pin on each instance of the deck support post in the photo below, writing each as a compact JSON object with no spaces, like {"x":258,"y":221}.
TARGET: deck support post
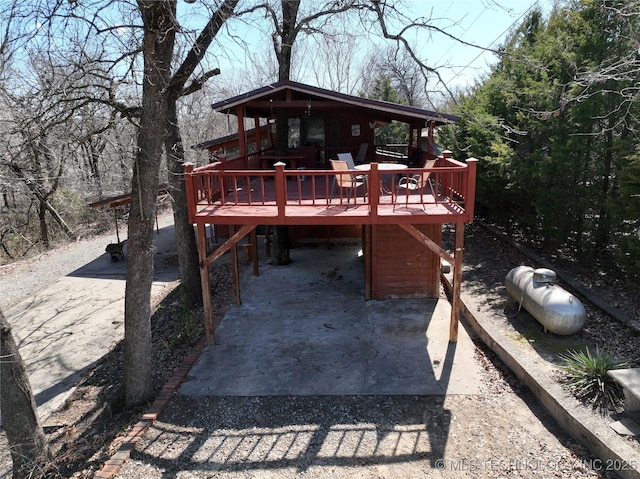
{"x":205,"y":284}
{"x":254,"y":251}
{"x":457,"y":278}
{"x":235,"y":270}
{"x":367,"y":233}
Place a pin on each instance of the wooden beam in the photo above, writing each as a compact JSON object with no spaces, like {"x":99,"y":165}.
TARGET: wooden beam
{"x":456,"y":264}
{"x":257,"y":136}
{"x":242,"y":140}
{"x":428,"y":242}
{"x":205,"y":262}
{"x":244,"y":231}
{"x":115,"y":201}
{"x":205,"y":285}
{"x":301,"y":104}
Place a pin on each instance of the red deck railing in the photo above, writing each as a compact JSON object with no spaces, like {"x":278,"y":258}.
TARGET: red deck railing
{"x":230,"y":184}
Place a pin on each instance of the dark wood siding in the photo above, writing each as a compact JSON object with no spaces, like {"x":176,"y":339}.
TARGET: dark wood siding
{"x":324,"y":232}
{"x":401,"y":267}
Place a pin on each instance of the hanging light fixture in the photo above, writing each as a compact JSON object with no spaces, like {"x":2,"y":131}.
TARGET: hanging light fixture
{"x":272,"y":117}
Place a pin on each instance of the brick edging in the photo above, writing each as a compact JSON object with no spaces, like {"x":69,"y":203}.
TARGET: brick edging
{"x":111,"y":467}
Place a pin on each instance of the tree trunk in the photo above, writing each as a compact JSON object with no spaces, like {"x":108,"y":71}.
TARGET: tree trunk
{"x":28,"y":444}
{"x":281,"y":242}
{"x":283,"y":49}
{"x":185,"y":236}
{"x":158,"y":18}
{"x":43,"y":204}
{"x":42,"y":219}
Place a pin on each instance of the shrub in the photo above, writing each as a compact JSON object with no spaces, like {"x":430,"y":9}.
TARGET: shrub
{"x":585,"y":375}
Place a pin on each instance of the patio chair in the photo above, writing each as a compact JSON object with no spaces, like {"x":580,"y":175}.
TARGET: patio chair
{"x":344,"y":179}
{"x":351,"y":164}
{"x":416,"y":182}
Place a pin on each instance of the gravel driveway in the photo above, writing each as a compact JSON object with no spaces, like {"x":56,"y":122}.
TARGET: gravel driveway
{"x":28,"y":277}
{"x":500,"y":433}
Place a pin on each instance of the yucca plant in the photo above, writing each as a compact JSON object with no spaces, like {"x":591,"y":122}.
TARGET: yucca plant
{"x":585,"y":375}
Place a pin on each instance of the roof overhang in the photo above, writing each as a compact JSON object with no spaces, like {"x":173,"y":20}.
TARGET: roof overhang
{"x":300,"y":98}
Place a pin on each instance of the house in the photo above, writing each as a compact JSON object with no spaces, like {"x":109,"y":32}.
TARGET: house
{"x":397,"y":210}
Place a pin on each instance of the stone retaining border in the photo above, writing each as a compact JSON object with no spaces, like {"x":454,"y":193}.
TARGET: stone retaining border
{"x":616,"y":456}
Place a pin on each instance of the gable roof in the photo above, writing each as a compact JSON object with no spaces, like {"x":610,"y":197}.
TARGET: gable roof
{"x":263,"y":101}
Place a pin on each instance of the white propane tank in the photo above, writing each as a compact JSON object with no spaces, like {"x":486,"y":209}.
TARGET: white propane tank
{"x":555,"y":308}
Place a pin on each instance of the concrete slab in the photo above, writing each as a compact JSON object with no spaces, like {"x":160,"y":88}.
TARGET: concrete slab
{"x":626,"y":427}
{"x":64,"y":329}
{"x":629,"y":379}
{"x":306,"y":329}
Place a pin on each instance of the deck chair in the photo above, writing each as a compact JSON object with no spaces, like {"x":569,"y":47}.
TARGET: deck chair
{"x":361,"y":157}
{"x":418,"y":183}
{"x":344,"y":179}
{"x":351,"y":164}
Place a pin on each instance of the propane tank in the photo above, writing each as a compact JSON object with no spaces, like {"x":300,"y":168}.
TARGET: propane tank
{"x":555,"y":308}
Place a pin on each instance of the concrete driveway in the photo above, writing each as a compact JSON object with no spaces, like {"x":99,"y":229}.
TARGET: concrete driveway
{"x":64,"y":329}
{"x":306,"y":329}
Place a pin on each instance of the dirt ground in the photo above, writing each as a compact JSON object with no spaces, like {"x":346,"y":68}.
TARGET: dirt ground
{"x":501,"y":432}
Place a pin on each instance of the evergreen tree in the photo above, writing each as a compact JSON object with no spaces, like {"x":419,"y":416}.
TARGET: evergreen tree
{"x":556,"y":124}
{"x":394,"y":132}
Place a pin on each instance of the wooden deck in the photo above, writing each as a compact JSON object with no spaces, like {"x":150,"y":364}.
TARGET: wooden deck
{"x":288,"y":197}
{"x":247,"y":198}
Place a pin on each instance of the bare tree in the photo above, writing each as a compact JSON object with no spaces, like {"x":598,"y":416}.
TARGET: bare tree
{"x":159,"y":25}
{"x":158,"y":126}
{"x":55,"y":100}
{"x":288,"y":22}
{"x":405,"y":74}
{"x":187,"y":253}
{"x":338,"y":57}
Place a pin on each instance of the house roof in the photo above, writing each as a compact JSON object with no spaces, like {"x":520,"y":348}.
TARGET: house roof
{"x":225,"y":141}
{"x":294,"y":96}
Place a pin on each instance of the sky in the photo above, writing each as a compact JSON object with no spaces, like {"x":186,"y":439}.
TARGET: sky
{"x":480,"y":22}
{"x":485,"y":23}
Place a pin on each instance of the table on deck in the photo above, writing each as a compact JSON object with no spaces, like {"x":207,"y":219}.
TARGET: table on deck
{"x":382,"y":167}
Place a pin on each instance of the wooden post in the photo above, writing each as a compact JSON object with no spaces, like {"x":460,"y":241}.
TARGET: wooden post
{"x":258,"y":133}
{"x":242,"y":140}
{"x":281,"y":191}
{"x":205,"y":284}
{"x":457,"y":278}
{"x":254,"y":251}
{"x":373,"y":191}
{"x":470,"y":193}
{"x":235,"y":271}
{"x":115,"y":217}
